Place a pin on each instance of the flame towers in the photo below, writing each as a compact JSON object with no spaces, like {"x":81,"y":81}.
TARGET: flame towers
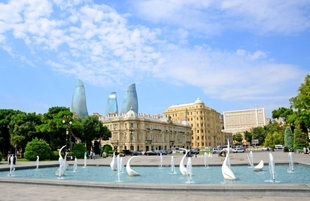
{"x":130,"y":99}
{"x":78,"y":104}
{"x":111,"y":107}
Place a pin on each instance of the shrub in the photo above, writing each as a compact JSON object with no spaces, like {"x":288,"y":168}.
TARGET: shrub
{"x":37,"y":147}
{"x":78,"y":150}
{"x":1,"y":156}
{"x":54,"y":155}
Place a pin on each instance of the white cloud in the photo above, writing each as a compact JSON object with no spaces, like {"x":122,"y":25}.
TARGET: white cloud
{"x":96,"y":44}
{"x":213,"y":16}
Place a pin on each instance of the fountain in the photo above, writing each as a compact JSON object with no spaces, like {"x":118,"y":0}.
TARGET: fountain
{"x":250,"y":159}
{"x":130,"y":171}
{"x":12,"y":169}
{"x":271,"y":168}
{"x":113,"y":163}
{"x":122,"y":165}
{"x":119,"y":168}
{"x":37,"y":162}
{"x":85,"y":159}
{"x":189,"y":169}
{"x":75,"y":165}
{"x":161,"y":161}
{"x":205,"y":160}
{"x":291,"y":163}
{"x":226,"y":171}
{"x":173,"y":171}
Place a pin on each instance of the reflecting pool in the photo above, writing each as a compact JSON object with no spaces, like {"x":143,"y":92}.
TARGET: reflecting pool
{"x":155,"y":175}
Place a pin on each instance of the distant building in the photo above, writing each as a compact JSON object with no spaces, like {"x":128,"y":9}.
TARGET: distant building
{"x":130,"y":99}
{"x":111,"y":107}
{"x":145,"y":132}
{"x":205,"y":123}
{"x":78,"y":105}
{"x":242,"y":120}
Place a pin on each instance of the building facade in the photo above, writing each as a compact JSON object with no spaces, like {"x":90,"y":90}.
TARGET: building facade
{"x":239,"y":121}
{"x":130,"y":99}
{"x":204,"y":121}
{"x":111,"y":107}
{"x":78,"y":104}
{"x":145,"y":132}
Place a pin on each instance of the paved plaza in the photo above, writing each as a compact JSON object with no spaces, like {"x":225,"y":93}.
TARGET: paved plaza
{"x":27,"y":189}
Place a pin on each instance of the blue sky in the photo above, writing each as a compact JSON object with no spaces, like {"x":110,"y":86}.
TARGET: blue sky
{"x":232,"y":54}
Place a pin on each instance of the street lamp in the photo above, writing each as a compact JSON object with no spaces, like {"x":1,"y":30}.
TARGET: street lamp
{"x":68,"y":122}
{"x":131,"y":137}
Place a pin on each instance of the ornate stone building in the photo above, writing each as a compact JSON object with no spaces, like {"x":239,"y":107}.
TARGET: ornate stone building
{"x":145,"y":132}
{"x":205,"y":122}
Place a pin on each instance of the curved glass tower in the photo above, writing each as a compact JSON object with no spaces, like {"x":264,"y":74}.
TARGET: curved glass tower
{"x":78,"y":104}
{"x":111,"y":107}
{"x":130,"y":99}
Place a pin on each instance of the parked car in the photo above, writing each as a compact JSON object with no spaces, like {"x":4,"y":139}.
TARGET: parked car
{"x":278,"y":146}
{"x":127,"y":152}
{"x":151,"y":153}
{"x":238,"y":150}
{"x":265,"y":149}
{"x":216,"y":150}
{"x":136,"y":153}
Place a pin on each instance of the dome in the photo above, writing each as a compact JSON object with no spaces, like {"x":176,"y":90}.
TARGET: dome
{"x":185,"y":123}
{"x":131,"y":113}
{"x":199,"y":101}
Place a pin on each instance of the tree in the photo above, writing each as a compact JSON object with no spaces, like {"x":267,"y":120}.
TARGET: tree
{"x":258,"y":133}
{"x":53,"y":126}
{"x":301,"y":106}
{"x":288,"y":138}
{"x":282,"y":112}
{"x":300,"y":139}
{"x":92,"y":130}
{"x":238,"y":138}
{"x":5,"y":119}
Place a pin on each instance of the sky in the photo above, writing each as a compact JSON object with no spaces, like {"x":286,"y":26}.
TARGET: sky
{"x":232,"y":54}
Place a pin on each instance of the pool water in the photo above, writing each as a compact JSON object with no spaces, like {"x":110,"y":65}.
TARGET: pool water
{"x":156,"y":175}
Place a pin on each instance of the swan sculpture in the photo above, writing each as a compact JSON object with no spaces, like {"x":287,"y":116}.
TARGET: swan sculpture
{"x":113,"y":163}
{"x":260,"y":166}
{"x":130,"y":171}
{"x":226,"y":171}
{"x":182,"y":167}
{"x":63,"y":165}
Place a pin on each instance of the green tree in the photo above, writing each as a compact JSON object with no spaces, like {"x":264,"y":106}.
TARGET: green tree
{"x":37,"y":147}
{"x":258,"y":133}
{"x":5,"y":119}
{"x":300,"y":139}
{"x":301,"y":106}
{"x":92,"y":130}
{"x":53,"y":126}
{"x":78,"y":150}
{"x":238,"y":138}
{"x":282,"y":112}
{"x":288,"y":138}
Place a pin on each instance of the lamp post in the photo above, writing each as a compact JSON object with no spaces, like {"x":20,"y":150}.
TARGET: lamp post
{"x":68,"y":122}
{"x":131,"y":137}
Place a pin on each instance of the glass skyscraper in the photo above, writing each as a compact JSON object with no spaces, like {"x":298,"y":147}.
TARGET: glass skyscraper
{"x":78,"y":104}
{"x":111,"y":107}
{"x":130,"y":99}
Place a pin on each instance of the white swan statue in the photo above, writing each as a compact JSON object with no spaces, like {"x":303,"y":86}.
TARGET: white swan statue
{"x":63,"y":165}
{"x":130,"y":171}
{"x":182,"y":167}
{"x":260,"y":166}
{"x":226,"y":171}
{"x":113,"y":163}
